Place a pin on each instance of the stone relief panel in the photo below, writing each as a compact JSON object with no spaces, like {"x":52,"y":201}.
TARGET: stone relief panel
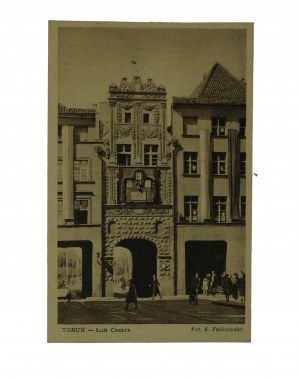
{"x":119,"y":113}
{"x":127,"y":105}
{"x":164,"y":267}
{"x":111,"y":188}
{"x":149,"y":106}
{"x":156,"y":114}
{"x":124,"y":131}
{"x":139,"y":212}
{"x":151,"y":131}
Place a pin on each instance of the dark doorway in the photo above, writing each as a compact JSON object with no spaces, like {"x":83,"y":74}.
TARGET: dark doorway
{"x":204,"y":257}
{"x":143,"y":264}
{"x":87,"y":249}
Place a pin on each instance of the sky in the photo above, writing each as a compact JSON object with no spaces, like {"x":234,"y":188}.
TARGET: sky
{"x":90,"y":59}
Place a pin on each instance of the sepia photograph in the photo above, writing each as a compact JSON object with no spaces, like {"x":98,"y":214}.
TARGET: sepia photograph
{"x":150,"y":182}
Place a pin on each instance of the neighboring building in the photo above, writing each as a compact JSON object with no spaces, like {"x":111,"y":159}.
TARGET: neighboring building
{"x":138,"y":188}
{"x":79,"y":200}
{"x":209,"y":128}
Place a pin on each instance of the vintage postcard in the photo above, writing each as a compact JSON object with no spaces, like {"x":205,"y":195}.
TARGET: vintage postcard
{"x":150,"y":182}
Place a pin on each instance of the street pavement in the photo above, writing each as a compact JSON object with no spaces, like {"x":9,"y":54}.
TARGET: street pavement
{"x":166,"y":311}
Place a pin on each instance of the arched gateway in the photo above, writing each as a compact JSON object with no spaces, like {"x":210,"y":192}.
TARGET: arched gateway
{"x":136,"y":259}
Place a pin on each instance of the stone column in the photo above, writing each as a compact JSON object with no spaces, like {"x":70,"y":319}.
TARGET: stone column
{"x":233,"y":170}
{"x":205,"y":157}
{"x":67,"y":170}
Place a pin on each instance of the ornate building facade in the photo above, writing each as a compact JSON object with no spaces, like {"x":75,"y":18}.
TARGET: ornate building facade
{"x":138,"y":188}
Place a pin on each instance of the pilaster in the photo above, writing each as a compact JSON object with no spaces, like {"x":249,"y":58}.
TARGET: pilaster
{"x":233,"y":170}
{"x":205,"y":156}
{"x":68,"y":181}
{"x":137,"y":124}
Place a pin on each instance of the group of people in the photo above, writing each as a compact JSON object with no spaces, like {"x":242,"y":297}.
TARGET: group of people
{"x":234,"y":285}
{"x":132,"y":295}
{"x":207,"y":286}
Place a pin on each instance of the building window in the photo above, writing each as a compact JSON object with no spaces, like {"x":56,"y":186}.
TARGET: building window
{"x":150,"y":155}
{"x":124,"y":155}
{"x":59,"y":171}
{"x":190,"y":163}
{"x":243,"y":164}
{"x":219,"y":163}
{"x":80,"y":133}
{"x":81,"y":170}
{"x":146,"y":118}
{"x":81,"y":211}
{"x":191,"y":208}
{"x":243,"y":207}
{"x":218,"y":126}
{"x":190,"y":126}
{"x":127,"y":117}
{"x":242,"y":127}
{"x":220,"y":208}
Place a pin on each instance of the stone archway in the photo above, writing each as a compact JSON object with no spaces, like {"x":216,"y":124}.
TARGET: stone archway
{"x":143,"y":263}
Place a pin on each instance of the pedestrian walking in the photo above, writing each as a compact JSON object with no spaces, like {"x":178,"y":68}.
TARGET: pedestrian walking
{"x":131,"y":296}
{"x":155,"y":287}
{"x":123,"y":283}
{"x":242,"y":286}
{"x":68,"y":295}
{"x":194,"y":288}
{"x":226,"y":286}
{"x":235,"y":286}
{"x":213,"y":283}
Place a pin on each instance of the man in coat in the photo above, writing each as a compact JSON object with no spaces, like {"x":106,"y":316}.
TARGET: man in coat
{"x":226,"y":286}
{"x":155,"y":287}
{"x":194,"y":288}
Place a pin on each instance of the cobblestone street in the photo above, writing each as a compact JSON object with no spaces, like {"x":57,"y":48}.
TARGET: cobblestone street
{"x":149,"y":312}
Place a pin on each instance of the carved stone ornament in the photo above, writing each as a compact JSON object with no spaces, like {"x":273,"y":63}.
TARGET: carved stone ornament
{"x":149,"y":106}
{"x":140,"y":211}
{"x":149,"y":86}
{"x":124,"y":131}
{"x":156,"y":114}
{"x":119,"y":113}
{"x":123,"y":95}
{"x":127,"y":105}
{"x":150,"y":131}
{"x":164,"y":268}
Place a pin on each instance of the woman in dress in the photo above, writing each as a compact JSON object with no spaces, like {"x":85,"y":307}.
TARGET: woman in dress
{"x":205,"y":285}
{"x":131,"y":296}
